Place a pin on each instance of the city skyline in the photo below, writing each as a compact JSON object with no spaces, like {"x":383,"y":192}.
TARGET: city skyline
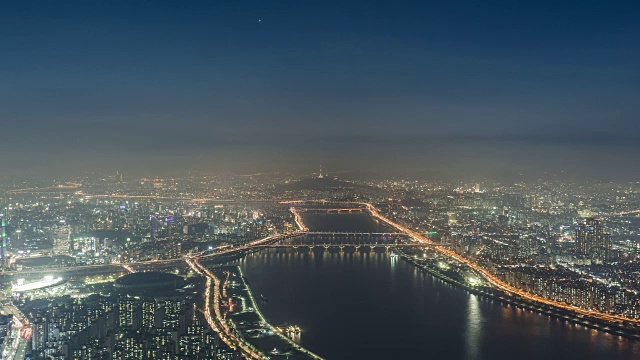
{"x":248,"y":267}
{"x":310,"y":180}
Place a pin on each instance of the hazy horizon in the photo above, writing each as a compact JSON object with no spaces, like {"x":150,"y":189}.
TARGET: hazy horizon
{"x":429,"y":88}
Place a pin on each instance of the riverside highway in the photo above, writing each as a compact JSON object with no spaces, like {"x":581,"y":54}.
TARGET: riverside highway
{"x":493,"y":280}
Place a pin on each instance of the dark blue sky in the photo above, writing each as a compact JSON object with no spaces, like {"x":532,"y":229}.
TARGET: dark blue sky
{"x":409,"y":86}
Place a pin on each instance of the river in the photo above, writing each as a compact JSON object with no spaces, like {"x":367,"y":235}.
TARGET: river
{"x":373,"y":306}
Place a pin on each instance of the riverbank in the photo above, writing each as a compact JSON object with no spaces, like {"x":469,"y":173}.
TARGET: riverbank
{"x":627,"y":331}
{"x":250,"y":324}
{"x":340,"y":299}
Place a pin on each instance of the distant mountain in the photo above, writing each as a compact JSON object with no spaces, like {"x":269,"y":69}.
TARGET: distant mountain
{"x":325,"y":183}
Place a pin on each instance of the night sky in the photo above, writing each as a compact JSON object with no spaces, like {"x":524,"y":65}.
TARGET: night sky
{"x":462,"y":88}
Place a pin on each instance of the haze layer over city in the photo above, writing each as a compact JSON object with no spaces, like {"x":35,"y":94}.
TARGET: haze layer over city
{"x":319,"y":180}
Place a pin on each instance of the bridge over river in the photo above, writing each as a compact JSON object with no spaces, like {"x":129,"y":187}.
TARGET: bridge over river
{"x":295,"y":240}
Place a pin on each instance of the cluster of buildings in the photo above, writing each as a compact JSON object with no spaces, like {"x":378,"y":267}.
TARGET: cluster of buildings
{"x":148,"y":316}
{"x":88,"y":232}
{"x":572,"y":243}
{"x":592,"y":242}
{"x":568,"y":287}
{"x":6,"y":325}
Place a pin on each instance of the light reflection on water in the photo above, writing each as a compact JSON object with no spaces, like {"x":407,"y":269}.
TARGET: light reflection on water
{"x":474,"y":328}
{"x":370,"y":305}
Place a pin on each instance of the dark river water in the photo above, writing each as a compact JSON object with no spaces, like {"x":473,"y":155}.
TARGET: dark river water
{"x":374,"y":306}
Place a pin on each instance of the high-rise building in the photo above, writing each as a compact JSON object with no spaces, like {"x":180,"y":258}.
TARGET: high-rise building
{"x":592,"y":242}
{"x":173,"y":312}
{"x":129,"y":346}
{"x":148,"y":314}
{"x":38,"y":336}
{"x":3,"y":237}
{"x":155,"y":224}
{"x":451,"y":217}
{"x":127,"y":311}
{"x":61,"y":234}
{"x":191,"y":343}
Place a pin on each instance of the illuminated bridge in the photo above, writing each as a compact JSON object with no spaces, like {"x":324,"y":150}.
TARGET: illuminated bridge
{"x":348,"y":238}
{"x":331,"y":210}
{"x":347,"y":245}
{"x":339,"y":233}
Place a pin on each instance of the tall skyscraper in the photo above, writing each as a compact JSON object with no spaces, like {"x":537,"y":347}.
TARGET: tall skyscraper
{"x":592,"y":242}
{"x":3,"y":237}
{"x":61,"y":234}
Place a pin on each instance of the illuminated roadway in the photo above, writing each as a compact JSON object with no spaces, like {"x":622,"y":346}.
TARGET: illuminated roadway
{"x":492,"y":279}
{"x":298,"y":219}
{"x":16,"y":342}
{"x":217,"y":321}
{"x":129,"y":268}
{"x":333,"y":210}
